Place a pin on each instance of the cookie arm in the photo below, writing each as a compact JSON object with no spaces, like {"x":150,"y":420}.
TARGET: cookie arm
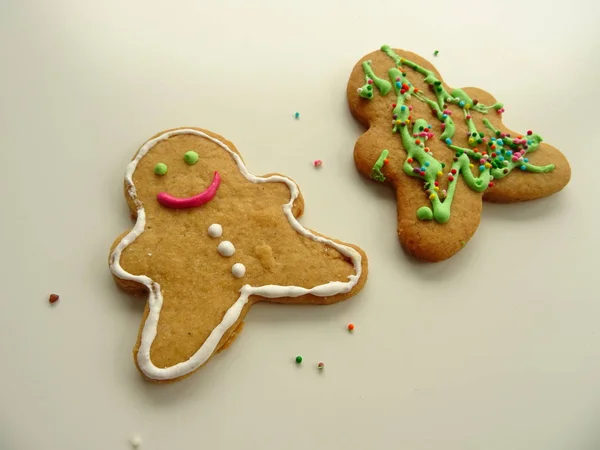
{"x":547,"y":171}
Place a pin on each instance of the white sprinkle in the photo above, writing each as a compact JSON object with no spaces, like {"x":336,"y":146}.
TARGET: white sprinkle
{"x":226,"y":248}
{"x":136,"y":441}
{"x":238,"y":270}
{"x":215,"y":230}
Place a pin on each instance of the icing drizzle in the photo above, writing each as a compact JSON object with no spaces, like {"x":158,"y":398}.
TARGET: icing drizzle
{"x":155,"y":298}
{"x":502,"y":153}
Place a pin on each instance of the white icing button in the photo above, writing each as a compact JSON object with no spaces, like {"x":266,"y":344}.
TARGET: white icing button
{"x":226,"y":248}
{"x":215,"y":230}
{"x":238,"y":270}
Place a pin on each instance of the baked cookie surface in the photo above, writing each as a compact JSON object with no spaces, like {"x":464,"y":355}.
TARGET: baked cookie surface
{"x":443,"y":151}
{"x":210,"y":239}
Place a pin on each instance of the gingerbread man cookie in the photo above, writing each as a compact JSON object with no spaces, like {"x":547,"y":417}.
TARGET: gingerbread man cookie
{"x":443,"y":150}
{"x":210,"y":239}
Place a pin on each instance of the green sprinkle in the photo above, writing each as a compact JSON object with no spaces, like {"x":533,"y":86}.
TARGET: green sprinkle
{"x":191,"y":158}
{"x":298,"y":359}
{"x":436,"y":53}
{"x":160,"y":169}
{"x":462,"y":243}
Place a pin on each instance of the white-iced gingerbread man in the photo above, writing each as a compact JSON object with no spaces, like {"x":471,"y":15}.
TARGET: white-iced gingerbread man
{"x":210,"y":239}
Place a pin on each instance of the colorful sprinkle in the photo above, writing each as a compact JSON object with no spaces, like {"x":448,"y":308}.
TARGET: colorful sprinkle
{"x":191,"y":158}
{"x":317,"y":163}
{"x":435,"y":53}
{"x":160,"y":169}
{"x":320,"y":365}
{"x":53,"y":298}
{"x":297,"y":114}
{"x":448,"y":141}
{"x":350,"y":327}
{"x":298,"y":359}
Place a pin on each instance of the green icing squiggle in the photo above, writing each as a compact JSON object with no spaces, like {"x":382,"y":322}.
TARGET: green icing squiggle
{"x":376,"y":171}
{"x":502,"y":155}
{"x":366,"y":91}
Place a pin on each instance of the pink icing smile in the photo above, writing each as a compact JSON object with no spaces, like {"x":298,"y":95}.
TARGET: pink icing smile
{"x":189,"y":202}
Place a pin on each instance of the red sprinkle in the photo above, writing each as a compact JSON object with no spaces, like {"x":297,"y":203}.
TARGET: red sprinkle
{"x":410,"y":160}
{"x":453,"y":171}
{"x":53,"y":298}
{"x":491,"y":184}
{"x":370,"y":81}
{"x":386,"y":161}
{"x":529,"y":132}
{"x":393,"y":105}
{"x":417,"y":141}
{"x":436,"y":183}
{"x":450,"y":178}
{"x":350,"y":327}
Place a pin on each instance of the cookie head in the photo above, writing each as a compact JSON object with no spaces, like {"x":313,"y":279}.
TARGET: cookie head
{"x":185,"y":173}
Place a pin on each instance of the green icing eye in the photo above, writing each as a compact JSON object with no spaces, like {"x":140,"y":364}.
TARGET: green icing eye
{"x":160,"y":169}
{"x":190,"y":157}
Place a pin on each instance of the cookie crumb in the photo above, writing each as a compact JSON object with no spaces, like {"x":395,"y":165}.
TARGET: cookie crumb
{"x":317,"y":163}
{"x":350,"y":327}
{"x":297,"y":115}
{"x":53,"y":298}
{"x":136,"y":441}
{"x":298,"y":359}
{"x":435,"y":53}
{"x":321,"y":365}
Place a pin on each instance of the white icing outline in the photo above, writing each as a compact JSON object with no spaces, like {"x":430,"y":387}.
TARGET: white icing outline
{"x":155,"y":298}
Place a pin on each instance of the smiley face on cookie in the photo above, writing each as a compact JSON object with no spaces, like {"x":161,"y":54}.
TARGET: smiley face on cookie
{"x":210,"y":240}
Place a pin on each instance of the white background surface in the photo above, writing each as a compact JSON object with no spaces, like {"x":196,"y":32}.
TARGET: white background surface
{"x":496,"y":349}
